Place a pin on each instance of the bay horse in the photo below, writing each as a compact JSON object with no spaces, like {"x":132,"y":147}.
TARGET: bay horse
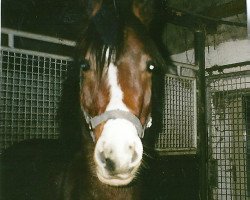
{"x":116,"y":71}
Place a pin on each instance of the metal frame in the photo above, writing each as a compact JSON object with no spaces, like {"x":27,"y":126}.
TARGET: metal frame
{"x":179,"y":134}
{"x":30,"y":89}
{"x":248,"y":18}
{"x":228,"y":141}
{"x":15,"y":33}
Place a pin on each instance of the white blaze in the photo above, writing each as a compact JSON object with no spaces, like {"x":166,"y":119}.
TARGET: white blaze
{"x":118,"y":135}
{"x":115,"y":90}
{"x":116,"y":103}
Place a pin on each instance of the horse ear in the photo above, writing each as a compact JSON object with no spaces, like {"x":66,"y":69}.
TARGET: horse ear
{"x":144,"y":10}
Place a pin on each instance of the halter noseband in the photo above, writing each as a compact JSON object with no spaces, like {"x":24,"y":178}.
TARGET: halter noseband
{"x":116,"y":114}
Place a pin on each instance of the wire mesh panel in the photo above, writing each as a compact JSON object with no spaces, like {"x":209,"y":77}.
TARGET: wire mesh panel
{"x":179,"y":122}
{"x":30,"y":90}
{"x":227,"y":94}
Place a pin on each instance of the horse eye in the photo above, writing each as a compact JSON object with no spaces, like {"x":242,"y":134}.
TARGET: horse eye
{"x":150,"y":66}
{"x":84,"y":64}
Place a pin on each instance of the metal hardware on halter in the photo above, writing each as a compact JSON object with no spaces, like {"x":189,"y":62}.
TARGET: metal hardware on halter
{"x":116,"y":114}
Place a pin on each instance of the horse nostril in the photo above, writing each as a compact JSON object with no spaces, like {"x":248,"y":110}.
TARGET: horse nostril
{"x":110,"y":165}
{"x":101,"y":157}
{"x":134,"y":156}
{"x":134,"y":153}
{"x":131,"y":147}
{"x":107,"y":162}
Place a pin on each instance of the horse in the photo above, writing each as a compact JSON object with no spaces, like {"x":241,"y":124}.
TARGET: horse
{"x":117,"y":79}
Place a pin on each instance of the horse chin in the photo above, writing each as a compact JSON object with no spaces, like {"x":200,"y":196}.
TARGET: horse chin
{"x":117,"y":179}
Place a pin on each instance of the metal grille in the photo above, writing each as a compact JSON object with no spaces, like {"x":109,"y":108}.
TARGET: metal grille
{"x":30,"y":90}
{"x":227,"y":94}
{"x":179,"y":122}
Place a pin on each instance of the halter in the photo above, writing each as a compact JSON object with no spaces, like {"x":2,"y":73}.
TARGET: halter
{"x":93,"y":122}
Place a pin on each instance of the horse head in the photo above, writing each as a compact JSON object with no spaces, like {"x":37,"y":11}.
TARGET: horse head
{"x":117,"y":60}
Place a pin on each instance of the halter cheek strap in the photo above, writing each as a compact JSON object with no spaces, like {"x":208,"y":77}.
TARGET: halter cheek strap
{"x":117,"y":114}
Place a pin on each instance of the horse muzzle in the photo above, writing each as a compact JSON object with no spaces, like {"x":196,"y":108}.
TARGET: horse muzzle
{"x":118,"y":153}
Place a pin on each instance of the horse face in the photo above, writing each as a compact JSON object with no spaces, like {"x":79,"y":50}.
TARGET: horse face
{"x":125,"y":85}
